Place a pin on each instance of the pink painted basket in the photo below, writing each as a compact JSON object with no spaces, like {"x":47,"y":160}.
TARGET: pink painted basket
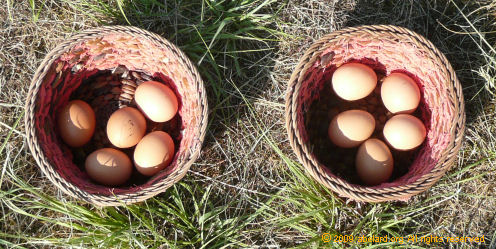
{"x":386,"y":48}
{"x":103,"y":66}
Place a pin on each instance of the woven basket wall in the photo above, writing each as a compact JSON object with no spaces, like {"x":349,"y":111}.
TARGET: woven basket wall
{"x":388,"y":49}
{"x":103,"y":66}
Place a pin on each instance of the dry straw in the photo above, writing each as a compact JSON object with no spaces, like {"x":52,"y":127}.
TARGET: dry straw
{"x":130,"y":56}
{"x":390,"y":49}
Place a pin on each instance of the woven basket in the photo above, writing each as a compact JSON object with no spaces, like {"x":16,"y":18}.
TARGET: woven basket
{"x":103,"y":66}
{"x":387,"y":49}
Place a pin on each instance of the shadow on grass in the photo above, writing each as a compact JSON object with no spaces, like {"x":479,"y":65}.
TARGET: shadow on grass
{"x":227,"y":41}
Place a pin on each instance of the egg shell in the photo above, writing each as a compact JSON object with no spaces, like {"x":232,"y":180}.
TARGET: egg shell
{"x":153,"y":153}
{"x":350,"y":128}
{"x":76,"y":123}
{"x":374,"y":162}
{"x":400,"y":93}
{"x":157,"y":101}
{"x":126,"y":127}
{"x":353,"y":81}
{"x":109,"y":166}
{"x":404,"y":132}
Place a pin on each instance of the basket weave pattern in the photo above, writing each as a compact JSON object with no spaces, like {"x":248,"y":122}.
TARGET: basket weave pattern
{"x":64,"y":70}
{"x":387,"y":49}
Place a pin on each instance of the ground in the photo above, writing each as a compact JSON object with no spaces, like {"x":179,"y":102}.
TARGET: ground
{"x":247,"y":189}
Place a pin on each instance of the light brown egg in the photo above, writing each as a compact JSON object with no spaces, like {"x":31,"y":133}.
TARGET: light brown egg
{"x":354,"y":81}
{"x":400,"y":93}
{"x":404,"y":132}
{"x":350,"y":128}
{"x":157,"y":101}
{"x":126,"y":127}
{"x":374,"y":162}
{"x":76,"y":122}
{"x":109,"y":166}
{"x":153,"y":153}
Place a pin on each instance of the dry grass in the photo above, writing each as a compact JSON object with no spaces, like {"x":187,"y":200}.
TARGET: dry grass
{"x":246,"y":156}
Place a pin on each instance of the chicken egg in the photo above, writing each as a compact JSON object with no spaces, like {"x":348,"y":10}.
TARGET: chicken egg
{"x":374,"y":162}
{"x":350,"y":128}
{"x":109,"y":166}
{"x":126,"y":127}
{"x":153,"y":153}
{"x":400,"y":93}
{"x":404,"y":132}
{"x":354,"y":81}
{"x":157,"y":101}
{"x":76,"y":123}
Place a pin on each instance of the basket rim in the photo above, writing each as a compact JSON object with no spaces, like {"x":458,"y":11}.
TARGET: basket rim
{"x":364,"y":193}
{"x":115,"y":199}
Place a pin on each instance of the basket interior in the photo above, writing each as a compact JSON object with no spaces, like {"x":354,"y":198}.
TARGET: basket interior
{"x":385,"y":56}
{"x":104,"y":72}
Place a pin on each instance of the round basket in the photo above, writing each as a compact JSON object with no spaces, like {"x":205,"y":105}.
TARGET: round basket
{"x":387,"y":49}
{"x":103,"y":66}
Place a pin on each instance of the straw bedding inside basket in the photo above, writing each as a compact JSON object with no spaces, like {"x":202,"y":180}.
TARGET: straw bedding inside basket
{"x":96,"y":57}
{"x":387,"y":56}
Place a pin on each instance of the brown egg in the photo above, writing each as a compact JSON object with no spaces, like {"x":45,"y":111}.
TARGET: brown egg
{"x":374,"y":162}
{"x":404,"y":132}
{"x":400,"y":93}
{"x":354,"y":81}
{"x":350,"y":128}
{"x":126,"y":127}
{"x":76,"y":122}
{"x":153,"y":153}
{"x":109,"y":166}
{"x":157,"y":101}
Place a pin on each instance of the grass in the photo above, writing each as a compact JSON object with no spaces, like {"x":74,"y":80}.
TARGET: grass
{"x":247,"y":190}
